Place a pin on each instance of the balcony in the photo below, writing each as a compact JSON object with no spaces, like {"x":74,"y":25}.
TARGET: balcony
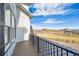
{"x":39,"y":46}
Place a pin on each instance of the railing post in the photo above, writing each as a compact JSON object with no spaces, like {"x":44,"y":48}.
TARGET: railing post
{"x":46,"y":47}
{"x":33,"y":39}
{"x":67,"y":53}
{"x":61,"y":52}
{"x":37,"y":44}
{"x":53,"y":50}
{"x":57,"y":50}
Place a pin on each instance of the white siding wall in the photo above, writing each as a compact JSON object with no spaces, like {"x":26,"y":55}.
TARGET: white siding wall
{"x":23,"y":28}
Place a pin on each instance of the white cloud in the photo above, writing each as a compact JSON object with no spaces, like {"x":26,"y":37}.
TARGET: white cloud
{"x":51,"y":9}
{"x":72,"y":11}
{"x":38,"y":27}
{"x":52,"y":21}
{"x":34,"y":26}
{"x":52,"y":12}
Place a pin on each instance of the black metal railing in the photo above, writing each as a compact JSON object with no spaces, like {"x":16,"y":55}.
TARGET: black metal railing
{"x":49,"y":48}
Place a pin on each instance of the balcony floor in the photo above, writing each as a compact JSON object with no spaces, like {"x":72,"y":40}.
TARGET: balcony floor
{"x":24,"y":49}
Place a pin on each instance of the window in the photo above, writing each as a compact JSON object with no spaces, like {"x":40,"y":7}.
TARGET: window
{"x":1,"y":14}
{"x":7,"y":15}
{"x":7,"y":35}
{"x":13,"y":25}
{"x":9,"y":25}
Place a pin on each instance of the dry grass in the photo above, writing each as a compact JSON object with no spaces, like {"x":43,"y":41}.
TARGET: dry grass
{"x":58,"y":36}
{"x":71,"y":40}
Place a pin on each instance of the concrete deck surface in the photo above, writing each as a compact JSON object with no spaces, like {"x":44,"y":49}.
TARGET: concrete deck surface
{"x":24,"y":49}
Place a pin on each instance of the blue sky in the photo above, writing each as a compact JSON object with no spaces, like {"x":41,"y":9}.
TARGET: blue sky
{"x":55,"y":15}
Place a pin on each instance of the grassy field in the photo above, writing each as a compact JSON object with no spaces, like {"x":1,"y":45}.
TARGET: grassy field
{"x":59,"y":36}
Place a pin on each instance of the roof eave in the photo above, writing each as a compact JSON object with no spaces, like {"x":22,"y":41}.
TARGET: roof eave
{"x":24,"y":10}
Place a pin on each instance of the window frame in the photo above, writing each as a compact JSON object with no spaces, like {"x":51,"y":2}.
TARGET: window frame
{"x":10,"y":32}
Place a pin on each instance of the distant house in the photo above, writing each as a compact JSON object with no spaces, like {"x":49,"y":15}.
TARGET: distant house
{"x":67,"y":32}
{"x":75,"y":32}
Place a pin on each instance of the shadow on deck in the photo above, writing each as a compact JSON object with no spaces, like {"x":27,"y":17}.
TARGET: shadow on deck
{"x":24,"y":49}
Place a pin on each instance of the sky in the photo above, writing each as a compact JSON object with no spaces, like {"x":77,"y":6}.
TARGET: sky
{"x":55,"y":15}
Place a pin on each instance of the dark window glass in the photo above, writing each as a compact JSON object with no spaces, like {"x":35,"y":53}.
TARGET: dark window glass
{"x":2,"y":14}
{"x":7,"y":35}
